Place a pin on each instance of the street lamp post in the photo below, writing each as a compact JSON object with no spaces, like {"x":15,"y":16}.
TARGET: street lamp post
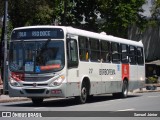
{"x":5,"y":62}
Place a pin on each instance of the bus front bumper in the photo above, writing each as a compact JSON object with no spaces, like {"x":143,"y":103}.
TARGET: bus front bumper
{"x":58,"y":91}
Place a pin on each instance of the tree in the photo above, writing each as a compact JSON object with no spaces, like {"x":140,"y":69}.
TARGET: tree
{"x":155,"y":11}
{"x":86,"y":11}
{"x":1,"y":7}
{"x":25,"y":12}
{"x":119,"y":14}
{"x":62,"y":12}
{"x":73,"y":13}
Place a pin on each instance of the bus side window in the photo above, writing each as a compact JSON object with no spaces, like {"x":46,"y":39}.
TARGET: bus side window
{"x":140,"y":59}
{"x":115,"y":52}
{"x":83,"y":48}
{"x":124,"y":51}
{"x":105,"y":51}
{"x":94,"y":50}
{"x":72,"y":53}
{"x":132,"y":55}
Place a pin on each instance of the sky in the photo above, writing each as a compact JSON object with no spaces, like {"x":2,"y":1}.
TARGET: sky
{"x":147,"y":8}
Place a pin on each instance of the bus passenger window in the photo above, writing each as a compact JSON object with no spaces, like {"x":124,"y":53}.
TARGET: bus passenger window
{"x":94,"y":50}
{"x":115,"y":53}
{"x":83,"y":48}
{"x":132,"y":55}
{"x":124,"y":50}
{"x":105,"y":51}
{"x":140,"y":59}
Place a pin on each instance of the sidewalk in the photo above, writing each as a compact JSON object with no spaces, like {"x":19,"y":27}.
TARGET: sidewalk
{"x":144,"y":90}
{"x":6,"y":98}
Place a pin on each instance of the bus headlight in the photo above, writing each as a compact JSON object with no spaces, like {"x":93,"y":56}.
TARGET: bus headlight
{"x":58,"y":81}
{"x":14,"y":83}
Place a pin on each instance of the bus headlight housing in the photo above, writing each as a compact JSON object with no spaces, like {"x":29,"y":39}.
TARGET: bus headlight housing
{"x":58,"y":81}
{"x":15,"y":78}
{"x":14,"y":83}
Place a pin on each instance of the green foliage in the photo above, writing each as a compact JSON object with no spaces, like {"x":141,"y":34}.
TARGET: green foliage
{"x":63,"y":12}
{"x":1,"y":7}
{"x":155,"y":13}
{"x":155,"y":9}
{"x":116,"y":15}
{"x":25,"y":12}
{"x":153,"y":79}
{"x":86,"y":11}
{"x":119,"y":14}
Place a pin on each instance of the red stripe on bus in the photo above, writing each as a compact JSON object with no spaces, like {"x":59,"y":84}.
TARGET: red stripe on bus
{"x":125,"y":71}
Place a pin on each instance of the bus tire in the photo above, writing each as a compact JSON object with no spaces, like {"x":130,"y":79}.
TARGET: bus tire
{"x":83,"y":97}
{"x":37,"y":101}
{"x":124,"y":92}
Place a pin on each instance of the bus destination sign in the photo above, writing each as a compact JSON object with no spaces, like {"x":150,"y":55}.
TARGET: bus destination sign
{"x":37,"y":33}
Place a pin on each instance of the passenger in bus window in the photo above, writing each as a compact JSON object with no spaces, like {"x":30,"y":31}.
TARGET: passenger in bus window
{"x":87,"y":57}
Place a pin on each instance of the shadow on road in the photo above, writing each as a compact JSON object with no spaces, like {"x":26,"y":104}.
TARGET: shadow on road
{"x":67,"y":102}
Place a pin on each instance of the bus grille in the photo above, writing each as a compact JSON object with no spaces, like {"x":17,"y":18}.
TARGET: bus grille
{"x":34,"y":91}
{"x":37,"y":84}
{"x":37,"y":79}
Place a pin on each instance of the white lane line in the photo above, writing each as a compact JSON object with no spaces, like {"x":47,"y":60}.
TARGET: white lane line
{"x":39,"y":108}
{"x":115,"y":100}
{"x":131,"y":109}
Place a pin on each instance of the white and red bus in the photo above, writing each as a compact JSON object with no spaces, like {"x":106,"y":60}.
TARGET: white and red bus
{"x":56,"y":61}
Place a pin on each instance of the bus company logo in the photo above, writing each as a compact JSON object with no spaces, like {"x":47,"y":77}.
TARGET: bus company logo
{"x":34,"y":84}
{"x":107,"y":72}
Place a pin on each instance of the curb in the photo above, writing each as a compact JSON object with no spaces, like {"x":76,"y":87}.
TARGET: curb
{"x":13,"y":100}
{"x":146,"y":91}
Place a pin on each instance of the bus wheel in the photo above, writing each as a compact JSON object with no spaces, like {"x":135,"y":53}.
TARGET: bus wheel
{"x":124,"y":92}
{"x":37,"y":101}
{"x":83,"y":97}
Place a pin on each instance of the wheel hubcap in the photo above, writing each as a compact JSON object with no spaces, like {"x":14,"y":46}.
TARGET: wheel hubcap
{"x":84,"y":94}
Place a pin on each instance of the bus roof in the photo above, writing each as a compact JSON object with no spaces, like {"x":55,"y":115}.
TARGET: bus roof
{"x":75,"y":31}
{"x":102,"y":36}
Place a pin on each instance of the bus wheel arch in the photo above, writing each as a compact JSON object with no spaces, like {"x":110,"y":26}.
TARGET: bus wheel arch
{"x":84,"y":92}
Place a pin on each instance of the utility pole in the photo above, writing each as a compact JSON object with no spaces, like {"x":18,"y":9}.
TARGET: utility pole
{"x":5,"y":62}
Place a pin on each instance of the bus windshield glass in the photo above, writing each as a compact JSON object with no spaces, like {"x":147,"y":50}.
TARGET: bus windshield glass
{"x":36,"y":56}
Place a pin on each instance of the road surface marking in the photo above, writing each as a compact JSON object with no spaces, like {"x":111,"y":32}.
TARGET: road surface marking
{"x":115,"y":100}
{"x":39,"y":108}
{"x":131,"y":109}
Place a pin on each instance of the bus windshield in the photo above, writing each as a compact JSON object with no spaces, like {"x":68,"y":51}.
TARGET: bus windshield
{"x":36,"y":56}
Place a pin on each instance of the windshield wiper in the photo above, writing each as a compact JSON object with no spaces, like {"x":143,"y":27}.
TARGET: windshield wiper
{"x":43,"y":47}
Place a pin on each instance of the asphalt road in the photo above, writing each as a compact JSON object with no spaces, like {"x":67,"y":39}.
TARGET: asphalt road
{"x":136,"y":106}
